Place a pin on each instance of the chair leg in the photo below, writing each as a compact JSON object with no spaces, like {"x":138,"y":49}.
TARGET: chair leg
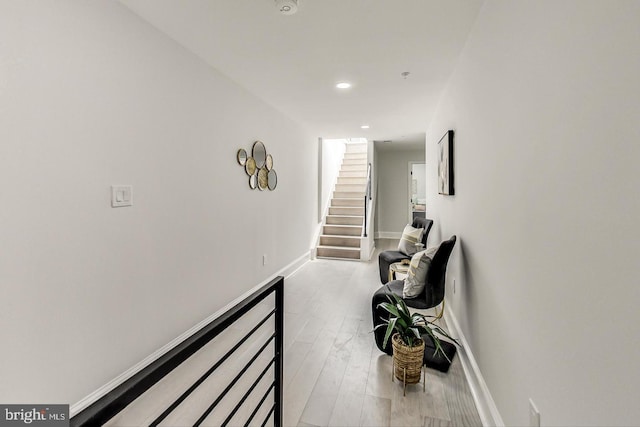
{"x":439,"y":315}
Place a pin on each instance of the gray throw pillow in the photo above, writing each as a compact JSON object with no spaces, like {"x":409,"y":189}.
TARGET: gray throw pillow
{"x":410,"y":236}
{"x":416,"y":278}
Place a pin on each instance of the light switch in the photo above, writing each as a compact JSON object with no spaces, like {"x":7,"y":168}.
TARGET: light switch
{"x":121,"y":195}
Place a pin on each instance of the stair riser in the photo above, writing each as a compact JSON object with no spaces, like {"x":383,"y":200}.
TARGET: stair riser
{"x":338,"y":253}
{"x":352,"y":180}
{"x":352,"y":164}
{"x":353,"y":174}
{"x":355,"y":155}
{"x":354,"y":160}
{"x":350,"y":187}
{"x":355,"y":168}
{"x":349,"y":195}
{"x":353,"y":203}
{"x":344,"y":220}
{"x":350,"y":242}
{"x":341,"y":231}
{"x":346,"y":210}
{"x":356,"y":150}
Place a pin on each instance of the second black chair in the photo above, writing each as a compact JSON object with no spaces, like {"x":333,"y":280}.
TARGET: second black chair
{"x":386,"y":258}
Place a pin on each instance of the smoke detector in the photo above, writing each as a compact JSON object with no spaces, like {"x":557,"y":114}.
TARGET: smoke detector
{"x":287,"y":7}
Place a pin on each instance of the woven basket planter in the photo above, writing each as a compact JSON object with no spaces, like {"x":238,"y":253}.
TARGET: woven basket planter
{"x":407,"y":361}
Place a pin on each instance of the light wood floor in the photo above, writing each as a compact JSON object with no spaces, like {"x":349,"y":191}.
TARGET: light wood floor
{"x":334,"y":373}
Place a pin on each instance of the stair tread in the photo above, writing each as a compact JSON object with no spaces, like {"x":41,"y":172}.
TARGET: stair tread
{"x":341,"y":248}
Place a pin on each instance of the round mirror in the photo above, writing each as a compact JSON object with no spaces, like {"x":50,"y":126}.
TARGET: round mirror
{"x":250,"y":166}
{"x":272,"y":179}
{"x":259,"y":154}
{"x":263,"y":178}
{"x":269,"y":162}
{"x":242,"y":156}
{"x":252,"y":182}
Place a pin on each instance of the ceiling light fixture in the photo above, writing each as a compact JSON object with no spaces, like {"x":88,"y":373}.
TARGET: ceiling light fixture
{"x":364,"y":127}
{"x":343,"y":85}
{"x":287,"y":7}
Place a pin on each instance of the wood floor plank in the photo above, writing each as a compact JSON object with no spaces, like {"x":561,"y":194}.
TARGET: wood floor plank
{"x":293,"y":358}
{"x":379,"y":381}
{"x":376,"y":411}
{"x":347,"y":409}
{"x":434,"y":405}
{"x":325,"y":393}
{"x":459,"y":399}
{"x":406,"y":409}
{"x":435,"y":422}
{"x":299,"y":389}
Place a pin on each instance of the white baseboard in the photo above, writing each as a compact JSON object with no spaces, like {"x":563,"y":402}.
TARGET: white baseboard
{"x":388,"y":235}
{"x":487,"y":409}
{"x":373,"y":249}
{"x":82,"y":404}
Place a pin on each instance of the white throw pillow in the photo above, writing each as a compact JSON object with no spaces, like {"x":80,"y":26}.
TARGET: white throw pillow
{"x":410,"y":237}
{"x":416,"y":278}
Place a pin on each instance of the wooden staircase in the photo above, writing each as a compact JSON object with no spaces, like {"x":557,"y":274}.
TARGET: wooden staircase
{"x":342,"y":227}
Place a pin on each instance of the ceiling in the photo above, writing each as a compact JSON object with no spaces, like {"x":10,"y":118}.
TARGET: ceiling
{"x":294,"y":62}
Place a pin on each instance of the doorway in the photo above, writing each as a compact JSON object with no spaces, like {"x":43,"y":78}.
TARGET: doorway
{"x":417,"y":190}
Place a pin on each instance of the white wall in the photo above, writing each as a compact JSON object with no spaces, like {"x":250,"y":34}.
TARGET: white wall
{"x":392,"y":202}
{"x":91,"y":96}
{"x":545,"y":103}
{"x":332,"y":155}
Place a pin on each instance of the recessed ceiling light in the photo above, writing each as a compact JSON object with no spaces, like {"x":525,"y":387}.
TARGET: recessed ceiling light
{"x":364,"y":127}
{"x":343,"y":85}
{"x":287,"y":7}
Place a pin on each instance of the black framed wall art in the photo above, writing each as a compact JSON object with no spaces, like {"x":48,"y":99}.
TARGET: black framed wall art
{"x":445,"y":164}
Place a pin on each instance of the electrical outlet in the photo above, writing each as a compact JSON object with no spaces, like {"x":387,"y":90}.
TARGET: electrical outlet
{"x":534,"y":415}
{"x":264,"y":259}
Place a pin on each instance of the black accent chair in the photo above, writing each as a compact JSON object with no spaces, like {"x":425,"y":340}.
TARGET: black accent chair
{"x":432,"y":295}
{"x":386,"y":258}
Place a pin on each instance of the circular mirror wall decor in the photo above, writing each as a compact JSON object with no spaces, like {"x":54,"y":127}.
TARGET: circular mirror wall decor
{"x":242,"y":156}
{"x":259,"y":153}
{"x":272,"y":179}
{"x":250,"y":166}
{"x":263,"y":178}
{"x":258,"y":166}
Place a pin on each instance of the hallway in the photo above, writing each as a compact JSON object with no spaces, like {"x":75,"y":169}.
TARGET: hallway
{"x":334,"y":373}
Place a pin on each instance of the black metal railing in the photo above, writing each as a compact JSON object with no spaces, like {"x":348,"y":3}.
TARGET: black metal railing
{"x":367,"y":197}
{"x":116,"y":400}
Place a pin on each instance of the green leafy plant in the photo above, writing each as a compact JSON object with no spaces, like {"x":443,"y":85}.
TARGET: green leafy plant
{"x":409,"y":326}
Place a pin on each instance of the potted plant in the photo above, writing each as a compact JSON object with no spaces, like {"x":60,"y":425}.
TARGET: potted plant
{"x":406,"y":330}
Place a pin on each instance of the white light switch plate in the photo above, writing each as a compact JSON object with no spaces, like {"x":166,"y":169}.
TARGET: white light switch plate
{"x":121,"y":195}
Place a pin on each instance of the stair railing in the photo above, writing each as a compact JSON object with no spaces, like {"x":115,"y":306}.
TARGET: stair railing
{"x":367,"y":198}
{"x":119,"y":398}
